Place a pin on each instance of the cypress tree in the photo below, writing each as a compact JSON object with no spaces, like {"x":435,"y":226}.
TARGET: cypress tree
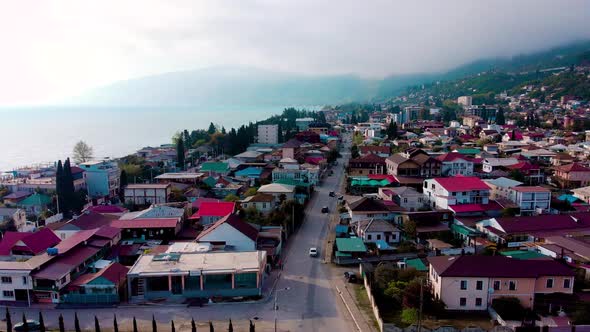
{"x":62,"y":327}
{"x":59,"y":175}
{"x":231,"y":326}
{"x":500,"y":120}
{"x":135,"y":325}
{"x":252,"y":327}
{"x":193,"y":325}
{"x":180,"y":154}
{"x":76,"y":323}
{"x":154,"y":325}
{"x":96,"y":325}
{"x":41,"y":322}
{"x":122,"y":184}
{"x":172,"y":328}
{"x":115,"y":325}
{"x":68,"y":187}
{"x":211,"y":329}
{"x":8,"y":320}
{"x":25,"y":325}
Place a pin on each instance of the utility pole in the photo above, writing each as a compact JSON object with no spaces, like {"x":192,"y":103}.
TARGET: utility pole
{"x":421,"y":305}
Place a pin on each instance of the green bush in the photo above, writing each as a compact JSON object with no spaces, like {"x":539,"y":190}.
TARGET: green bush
{"x":409,"y":316}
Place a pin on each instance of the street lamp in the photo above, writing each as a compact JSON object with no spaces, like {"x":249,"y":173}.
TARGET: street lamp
{"x":276,"y":307}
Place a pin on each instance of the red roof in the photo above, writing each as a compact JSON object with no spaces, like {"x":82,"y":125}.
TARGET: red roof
{"x":36,"y":242}
{"x":18,"y":195}
{"x":107,"y":209}
{"x":387,"y":177}
{"x":523,"y":166}
{"x":531,"y":189}
{"x":9,"y":240}
{"x":235,"y":222}
{"x":114,"y":273}
{"x":451,"y":156}
{"x":147,"y":223}
{"x":573,"y":167}
{"x":91,"y":220}
{"x":462,"y":183}
{"x":368,"y":159}
{"x":545,"y":222}
{"x":364,"y":149}
{"x":467,"y":208}
{"x":214,"y":209}
{"x":496,"y":266}
{"x":197,"y":203}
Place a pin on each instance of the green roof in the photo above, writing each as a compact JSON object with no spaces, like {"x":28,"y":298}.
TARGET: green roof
{"x":343,"y":254}
{"x":212,"y":166}
{"x":468,"y":151}
{"x":36,"y":199}
{"x":292,"y":182}
{"x":370,"y":183}
{"x":522,"y":254}
{"x":353,"y":244}
{"x":463,"y":230}
{"x":210,"y":181}
{"x":417,"y":264}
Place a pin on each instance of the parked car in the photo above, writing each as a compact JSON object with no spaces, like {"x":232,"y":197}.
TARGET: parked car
{"x":332,"y":194}
{"x":32,"y":325}
{"x":325,"y":209}
{"x":340,"y":197}
{"x":313,"y":252}
{"x":350,"y":277}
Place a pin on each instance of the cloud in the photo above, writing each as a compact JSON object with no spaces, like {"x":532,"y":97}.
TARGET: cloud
{"x":56,"y":49}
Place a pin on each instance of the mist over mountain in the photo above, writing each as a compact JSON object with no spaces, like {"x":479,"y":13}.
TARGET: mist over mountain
{"x":232,"y":86}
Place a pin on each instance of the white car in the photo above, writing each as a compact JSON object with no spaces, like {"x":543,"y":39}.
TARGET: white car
{"x":313,"y":252}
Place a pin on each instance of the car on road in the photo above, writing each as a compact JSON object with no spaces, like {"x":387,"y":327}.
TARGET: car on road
{"x":32,"y":325}
{"x":325,"y":209}
{"x":313,"y":252}
{"x":340,"y":197}
{"x":332,"y":194}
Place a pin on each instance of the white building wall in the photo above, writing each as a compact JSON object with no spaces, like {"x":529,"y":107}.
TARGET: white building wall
{"x":20,"y":280}
{"x":268,"y":134}
{"x":231,"y":236}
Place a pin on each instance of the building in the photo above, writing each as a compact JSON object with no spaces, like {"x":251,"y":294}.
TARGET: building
{"x":465,"y":101}
{"x":473,"y":282}
{"x":197,"y":275}
{"x":231,"y":231}
{"x":35,"y":204}
{"x":102,"y":178}
{"x":365,"y":165}
{"x":18,"y":216}
{"x":531,"y":199}
{"x":263,"y":203}
{"x":268,"y":134}
{"x":367,"y":208}
{"x":149,"y":228}
{"x":501,"y":187}
{"x":303,"y":123}
{"x":454,"y":163}
{"x":210,"y":212}
{"x":443,"y":193}
{"x":378,"y":231}
{"x":573,"y":175}
{"x":23,"y":245}
{"x":407,"y":198}
{"x":105,"y":286}
{"x":413,"y":163}
{"x":493,"y":164}
{"x":380,"y":150}
{"x":148,"y":193}
{"x":582,"y":193}
{"x":280,"y":192}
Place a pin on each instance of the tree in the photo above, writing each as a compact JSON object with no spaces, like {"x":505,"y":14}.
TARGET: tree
{"x":96,"y":325}
{"x":211,"y":329}
{"x":25,"y":325}
{"x":122,"y":184}
{"x":41,"y":323}
{"x":8,"y":320}
{"x":384,"y":274}
{"x":409,"y":315}
{"x":231,"y":327}
{"x":333,"y":155}
{"x":115,"y":325}
{"x":76,"y":323}
{"x":251,"y":192}
{"x":69,"y":202}
{"x":392,"y":130}
{"x":172,"y":328}
{"x":211,"y":129}
{"x":193,"y":325}
{"x":135,"y":325}
{"x":154,"y":325}
{"x":82,"y":152}
{"x":62,"y":327}
{"x":231,"y":198}
{"x":517,"y":175}
{"x":354,"y":152}
{"x":252,"y":327}
{"x":59,"y":187}
{"x":500,"y":120}
{"x":180,"y":154}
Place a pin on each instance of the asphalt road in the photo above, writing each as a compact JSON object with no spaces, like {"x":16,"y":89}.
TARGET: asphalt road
{"x":310,"y":303}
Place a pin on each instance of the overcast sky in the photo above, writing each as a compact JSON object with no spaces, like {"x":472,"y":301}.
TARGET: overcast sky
{"x":53,"y":49}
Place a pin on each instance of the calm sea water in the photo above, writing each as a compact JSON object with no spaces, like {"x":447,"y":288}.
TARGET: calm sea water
{"x":45,"y":134}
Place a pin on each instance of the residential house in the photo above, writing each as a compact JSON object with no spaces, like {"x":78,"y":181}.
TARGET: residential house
{"x":105,"y":286}
{"x":443,"y":193}
{"x":197,"y":275}
{"x":185,"y":177}
{"x":102,"y":178}
{"x":149,"y":228}
{"x":533,"y":174}
{"x":465,"y":282}
{"x":35,"y":204}
{"x":215,"y":168}
{"x":573,"y":175}
{"x":14,"y":198}
{"x":574,"y":250}
{"x":493,"y":164}
{"x":365,"y":165}
{"x":500,"y":188}
{"x":280,"y":192}
{"x":86,"y":221}
{"x":407,"y":198}
{"x":531,"y":199}
{"x":378,"y":231}
{"x":210,"y":212}
{"x":291,"y":148}
{"x":234,"y":233}
{"x":366,"y":208}
{"x":155,"y":211}
{"x":263,"y":203}
{"x":454,"y":163}
{"x":582,"y":193}
{"x":23,"y":245}
{"x":539,"y":155}
{"x":18,"y":216}
{"x":413,"y":163}
{"x":148,"y":193}
{"x":380,"y":150}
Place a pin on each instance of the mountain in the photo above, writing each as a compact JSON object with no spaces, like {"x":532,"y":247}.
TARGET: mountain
{"x":230,"y":86}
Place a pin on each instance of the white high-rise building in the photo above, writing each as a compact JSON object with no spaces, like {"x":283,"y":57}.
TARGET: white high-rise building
{"x":268,"y":134}
{"x":465,"y":101}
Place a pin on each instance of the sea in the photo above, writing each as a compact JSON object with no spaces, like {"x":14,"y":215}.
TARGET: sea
{"x":39,"y":135}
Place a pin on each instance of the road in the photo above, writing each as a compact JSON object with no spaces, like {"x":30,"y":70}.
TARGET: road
{"x":311,"y":302}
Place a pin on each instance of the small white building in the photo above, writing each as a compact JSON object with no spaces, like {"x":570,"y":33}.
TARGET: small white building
{"x":375,"y":230}
{"x":531,"y":199}
{"x":148,"y":193}
{"x":236,"y":234}
{"x":454,"y":163}
{"x":444,"y":192}
{"x":492,"y":164}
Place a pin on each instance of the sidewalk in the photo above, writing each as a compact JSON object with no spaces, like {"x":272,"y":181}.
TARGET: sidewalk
{"x":362,"y":322}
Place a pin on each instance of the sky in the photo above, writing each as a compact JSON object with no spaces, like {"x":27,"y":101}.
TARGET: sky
{"x":55,"y":49}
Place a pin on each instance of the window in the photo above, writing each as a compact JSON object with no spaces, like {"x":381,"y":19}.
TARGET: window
{"x":7,"y":280}
{"x":478,"y":301}
{"x":63,"y":280}
{"x":496,"y":285}
{"x":8,"y":293}
{"x":369,"y":236}
{"x":463,"y":301}
{"x":549,"y":283}
{"x":463,"y":284}
{"x":566,"y":283}
{"x":378,"y":236}
{"x":405,"y":200}
{"x":25,"y":280}
{"x":512,"y":285}
{"x":454,"y":194}
{"x":479,"y":285}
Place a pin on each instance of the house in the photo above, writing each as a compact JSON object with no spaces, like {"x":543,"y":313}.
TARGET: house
{"x":35,"y":204}
{"x":531,"y":199}
{"x":149,"y":228}
{"x":367,"y":208}
{"x":147,"y":193}
{"x":263,"y":203}
{"x":291,"y":148}
{"x":14,"y":198}
{"x":249,"y":156}
{"x":197,"y":275}
{"x":367,"y":164}
{"x":443,"y":193}
{"x":533,"y":174}
{"x":18,"y":216}
{"x":407,"y":198}
{"x":582,"y":194}
{"x":233,"y":232}
{"x":377,"y":231}
{"x":185,"y":177}
{"x":454,"y":163}
{"x":279,"y":191}
{"x":102,"y":178}
{"x":539,"y":155}
{"x":155,"y":211}
{"x":465,"y":282}
{"x":572,"y":175}
{"x":215,"y":168}
{"x":86,"y":221}
{"x":210,"y":212}
{"x":501,"y":187}
{"x":414,"y":163}
{"x":493,"y":164}
{"x":380,"y":150}
{"x":349,"y":249}
{"x":21,"y":245}
{"x":105,"y":286}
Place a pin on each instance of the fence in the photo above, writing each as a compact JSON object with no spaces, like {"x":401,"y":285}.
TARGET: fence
{"x":91,"y":298}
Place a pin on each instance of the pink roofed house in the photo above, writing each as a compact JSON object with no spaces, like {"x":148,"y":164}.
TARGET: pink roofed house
{"x":210,"y":212}
{"x":441,"y":193}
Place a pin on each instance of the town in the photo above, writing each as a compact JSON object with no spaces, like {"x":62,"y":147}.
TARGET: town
{"x":410,"y":214}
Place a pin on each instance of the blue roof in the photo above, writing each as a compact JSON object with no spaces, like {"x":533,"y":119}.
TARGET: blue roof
{"x":341,"y":229}
{"x":566,"y":197}
{"x":249,"y":172}
{"x":381,"y":244}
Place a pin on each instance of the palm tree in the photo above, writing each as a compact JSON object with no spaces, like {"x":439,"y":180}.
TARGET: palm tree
{"x":135,"y":325}
{"x":115,"y":325}
{"x":76,"y":323}
{"x":41,"y":323}
{"x":193,"y":325}
{"x":8,"y":320}
{"x":62,"y":327}
{"x":154,"y":326}
{"x":96,"y":325}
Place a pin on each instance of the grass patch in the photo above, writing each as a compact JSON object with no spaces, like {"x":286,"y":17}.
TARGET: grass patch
{"x":362,"y":301}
